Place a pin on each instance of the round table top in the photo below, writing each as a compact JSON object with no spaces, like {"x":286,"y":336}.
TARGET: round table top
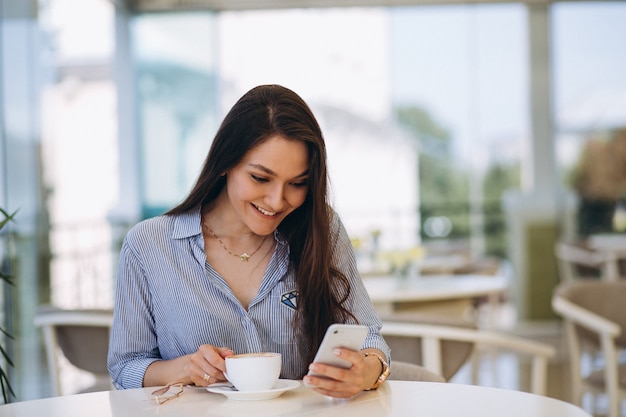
{"x":433,"y":287}
{"x":394,"y":398}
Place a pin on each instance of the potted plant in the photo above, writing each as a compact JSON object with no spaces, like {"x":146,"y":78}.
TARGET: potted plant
{"x":5,"y":384}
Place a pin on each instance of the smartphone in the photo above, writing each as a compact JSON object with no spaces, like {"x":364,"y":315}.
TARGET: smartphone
{"x":350,"y":336}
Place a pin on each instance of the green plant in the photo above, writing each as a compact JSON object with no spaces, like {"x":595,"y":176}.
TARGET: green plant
{"x":5,"y":384}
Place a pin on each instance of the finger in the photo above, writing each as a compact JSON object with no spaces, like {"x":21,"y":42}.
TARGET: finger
{"x":210,"y":379}
{"x":199,"y":376}
{"x":225,"y":352}
{"x":206,"y":378}
{"x":207,"y":365}
{"x":203,"y":379}
{"x":336,"y":389}
{"x":354,"y":357}
{"x":336,"y":373}
{"x":210,"y":353}
{"x":338,"y":379}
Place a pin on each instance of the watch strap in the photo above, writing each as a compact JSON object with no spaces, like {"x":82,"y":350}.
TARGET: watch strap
{"x":383,"y":375}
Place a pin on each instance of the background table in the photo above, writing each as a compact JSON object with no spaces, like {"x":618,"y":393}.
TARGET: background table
{"x":452,"y":292}
{"x":393,"y":399}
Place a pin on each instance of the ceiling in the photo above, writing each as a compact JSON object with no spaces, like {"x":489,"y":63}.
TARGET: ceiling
{"x":223,"y":5}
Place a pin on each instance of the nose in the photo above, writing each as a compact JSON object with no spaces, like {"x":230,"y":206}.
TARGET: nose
{"x":275,"y":197}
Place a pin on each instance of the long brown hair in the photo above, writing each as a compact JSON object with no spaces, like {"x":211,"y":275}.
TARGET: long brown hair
{"x":262,"y":112}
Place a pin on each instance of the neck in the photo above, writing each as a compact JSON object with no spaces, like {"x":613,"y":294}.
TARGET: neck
{"x":243,"y":256}
{"x":220,"y":218}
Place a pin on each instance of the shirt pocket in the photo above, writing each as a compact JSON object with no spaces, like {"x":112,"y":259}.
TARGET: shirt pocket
{"x":282,"y":331}
{"x":279,"y":321}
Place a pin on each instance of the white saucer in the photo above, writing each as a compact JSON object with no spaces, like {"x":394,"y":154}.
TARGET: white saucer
{"x":279,"y":388}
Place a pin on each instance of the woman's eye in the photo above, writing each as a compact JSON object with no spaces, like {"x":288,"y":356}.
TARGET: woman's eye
{"x":258,"y":179}
{"x":299,"y":184}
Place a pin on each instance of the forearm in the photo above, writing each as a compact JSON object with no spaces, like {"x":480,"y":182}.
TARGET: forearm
{"x":164,"y":372}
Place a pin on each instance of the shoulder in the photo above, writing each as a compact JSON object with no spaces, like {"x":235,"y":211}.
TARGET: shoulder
{"x":165,"y":227}
{"x":149,"y":227}
{"x":336,"y":226}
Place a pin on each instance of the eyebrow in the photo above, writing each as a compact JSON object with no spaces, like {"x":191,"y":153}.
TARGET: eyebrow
{"x":270,"y":172}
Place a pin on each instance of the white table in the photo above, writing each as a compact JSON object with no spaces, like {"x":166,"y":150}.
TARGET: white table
{"x":394,"y":398}
{"x":387,"y":292}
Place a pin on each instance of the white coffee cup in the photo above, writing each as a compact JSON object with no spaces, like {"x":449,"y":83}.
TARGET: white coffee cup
{"x":254,"y":371}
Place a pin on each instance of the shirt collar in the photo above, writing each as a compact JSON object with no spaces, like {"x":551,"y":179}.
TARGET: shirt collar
{"x":187,"y":224}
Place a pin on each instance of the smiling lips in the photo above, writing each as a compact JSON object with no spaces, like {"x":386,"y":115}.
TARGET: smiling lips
{"x":263,"y":211}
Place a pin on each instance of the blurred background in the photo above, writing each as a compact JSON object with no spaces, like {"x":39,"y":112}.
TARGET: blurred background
{"x":491,"y":129}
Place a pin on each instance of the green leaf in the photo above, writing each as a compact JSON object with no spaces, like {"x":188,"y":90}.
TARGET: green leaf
{"x":6,"y":357}
{"x":6,"y":333}
{"x":6,"y":386}
{"x":6,"y":278}
{"x":7,"y":217}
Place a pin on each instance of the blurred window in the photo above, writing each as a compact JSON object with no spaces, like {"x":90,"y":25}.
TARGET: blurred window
{"x":459,"y":85}
{"x":175,"y":80}
{"x":79,"y":148}
{"x":589,"y":72}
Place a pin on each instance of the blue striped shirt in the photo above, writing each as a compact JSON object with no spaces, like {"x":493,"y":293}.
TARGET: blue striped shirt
{"x":169,"y":301}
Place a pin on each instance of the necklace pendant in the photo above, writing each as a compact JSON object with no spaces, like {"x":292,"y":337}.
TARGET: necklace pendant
{"x":244,"y":257}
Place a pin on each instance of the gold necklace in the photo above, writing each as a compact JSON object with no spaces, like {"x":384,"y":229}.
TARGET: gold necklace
{"x":244,"y":256}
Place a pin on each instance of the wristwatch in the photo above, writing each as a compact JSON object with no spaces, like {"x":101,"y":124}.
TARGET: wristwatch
{"x":383,"y":375}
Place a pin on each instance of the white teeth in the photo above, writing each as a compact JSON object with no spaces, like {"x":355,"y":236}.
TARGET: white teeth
{"x":267,"y":213}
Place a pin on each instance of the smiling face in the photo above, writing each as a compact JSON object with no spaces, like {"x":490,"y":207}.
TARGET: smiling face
{"x":269,"y":183}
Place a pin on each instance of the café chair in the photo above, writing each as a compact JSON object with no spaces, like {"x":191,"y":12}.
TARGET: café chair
{"x":404,"y":371}
{"x":594,"y":314}
{"x":81,"y":336}
{"x":576,"y":262}
{"x":409,"y":349}
{"x":433,"y":355}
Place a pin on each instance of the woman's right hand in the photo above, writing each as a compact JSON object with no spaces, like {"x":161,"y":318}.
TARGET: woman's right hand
{"x":207,"y":365}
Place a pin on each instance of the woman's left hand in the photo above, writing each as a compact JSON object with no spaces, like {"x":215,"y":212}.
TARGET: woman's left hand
{"x":339,"y":382}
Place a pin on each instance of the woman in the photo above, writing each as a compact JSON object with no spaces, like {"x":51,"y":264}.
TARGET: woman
{"x":254,"y":259}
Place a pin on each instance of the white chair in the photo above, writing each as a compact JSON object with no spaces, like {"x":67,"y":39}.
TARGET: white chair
{"x":576,"y":262}
{"x":594,"y":314}
{"x":404,"y":371}
{"x":409,"y":349}
{"x":433,"y":336}
{"x":82,"y":337}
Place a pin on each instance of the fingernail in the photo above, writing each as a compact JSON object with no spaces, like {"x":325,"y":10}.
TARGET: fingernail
{"x":337,"y":352}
